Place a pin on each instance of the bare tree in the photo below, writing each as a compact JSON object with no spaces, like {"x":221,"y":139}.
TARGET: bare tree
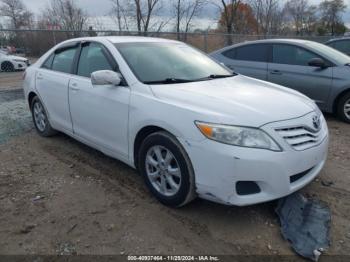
{"x":331,"y":11}
{"x":268,"y":15}
{"x":302,"y":14}
{"x":121,"y":13}
{"x":66,"y":14}
{"x":137,"y":13}
{"x":144,"y":10}
{"x":228,"y":9}
{"x":185,"y":12}
{"x":17,"y":13}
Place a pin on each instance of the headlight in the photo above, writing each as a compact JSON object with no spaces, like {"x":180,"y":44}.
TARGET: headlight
{"x":238,"y":136}
{"x":19,"y":61}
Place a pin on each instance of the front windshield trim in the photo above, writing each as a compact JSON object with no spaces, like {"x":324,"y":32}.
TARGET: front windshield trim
{"x":162,"y":81}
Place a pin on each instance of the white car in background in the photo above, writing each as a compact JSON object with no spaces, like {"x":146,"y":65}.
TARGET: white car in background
{"x":10,"y":63}
{"x":190,"y":126}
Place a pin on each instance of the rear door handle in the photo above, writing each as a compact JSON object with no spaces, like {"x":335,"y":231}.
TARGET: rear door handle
{"x":39,"y":77}
{"x":276,"y":72}
{"x":74,"y":87}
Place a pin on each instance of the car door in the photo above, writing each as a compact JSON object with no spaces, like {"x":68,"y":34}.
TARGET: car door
{"x":249,"y":60}
{"x":99,"y":113}
{"x":289,"y":67}
{"x":52,"y":81}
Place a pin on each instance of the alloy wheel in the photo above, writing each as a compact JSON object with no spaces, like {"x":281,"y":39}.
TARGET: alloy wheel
{"x":39,"y":116}
{"x":7,"y":67}
{"x":163,"y":170}
{"x":347,"y":108}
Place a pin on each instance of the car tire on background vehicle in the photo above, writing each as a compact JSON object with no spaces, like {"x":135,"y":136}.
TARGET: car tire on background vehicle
{"x":343,"y":108}
{"x":40,"y":119}
{"x":163,"y":161}
{"x":7,"y":67}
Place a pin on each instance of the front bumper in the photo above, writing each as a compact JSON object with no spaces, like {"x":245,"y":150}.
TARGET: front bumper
{"x":21,"y":65}
{"x":219,"y":167}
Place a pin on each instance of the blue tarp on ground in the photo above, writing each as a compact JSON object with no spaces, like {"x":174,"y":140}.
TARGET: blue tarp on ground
{"x":305,"y":224}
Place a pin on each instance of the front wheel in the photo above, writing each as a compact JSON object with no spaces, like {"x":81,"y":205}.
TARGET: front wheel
{"x":166,"y":169}
{"x":344,"y":108}
{"x":7,"y":67}
{"x":40,"y":119}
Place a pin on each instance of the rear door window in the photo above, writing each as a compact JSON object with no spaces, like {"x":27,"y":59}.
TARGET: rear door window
{"x":63,"y":61}
{"x":254,"y":53}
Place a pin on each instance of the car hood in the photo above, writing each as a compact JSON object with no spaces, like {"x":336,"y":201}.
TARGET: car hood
{"x":237,"y":100}
{"x":13,"y":57}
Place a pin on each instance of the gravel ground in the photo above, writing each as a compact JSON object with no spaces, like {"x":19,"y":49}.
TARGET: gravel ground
{"x":58,"y":196}
{"x":10,"y":81}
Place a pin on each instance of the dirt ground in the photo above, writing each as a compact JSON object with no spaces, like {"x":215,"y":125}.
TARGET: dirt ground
{"x":58,"y":196}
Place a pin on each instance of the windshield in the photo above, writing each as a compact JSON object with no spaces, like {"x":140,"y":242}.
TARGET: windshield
{"x":157,"y":63}
{"x":331,"y":53}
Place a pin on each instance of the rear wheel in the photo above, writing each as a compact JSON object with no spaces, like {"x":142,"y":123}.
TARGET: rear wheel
{"x":40,"y":119}
{"x":343,"y":109}
{"x":7,"y":67}
{"x":167,"y":169}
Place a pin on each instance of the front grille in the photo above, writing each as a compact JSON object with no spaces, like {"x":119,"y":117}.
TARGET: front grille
{"x":301,"y":137}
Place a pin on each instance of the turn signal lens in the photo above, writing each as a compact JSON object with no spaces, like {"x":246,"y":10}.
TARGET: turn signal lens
{"x":206,"y":130}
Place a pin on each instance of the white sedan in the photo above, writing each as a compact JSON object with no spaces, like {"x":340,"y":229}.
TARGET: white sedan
{"x":188,"y":124}
{"x":10,"y":63}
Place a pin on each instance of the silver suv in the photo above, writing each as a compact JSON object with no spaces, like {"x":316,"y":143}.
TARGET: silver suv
{"x":316,"y":70}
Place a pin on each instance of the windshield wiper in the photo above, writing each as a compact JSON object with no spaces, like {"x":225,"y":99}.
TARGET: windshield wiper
{"x":220,"y":76}
{"x":168,"y":81}
{"x":211,"y":77}
{"x":181,"y":80}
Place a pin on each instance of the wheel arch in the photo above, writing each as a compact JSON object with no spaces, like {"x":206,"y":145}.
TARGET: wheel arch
{"x":140,"y":137}
{"x":31,"y":95}
{"x":338,"y":97}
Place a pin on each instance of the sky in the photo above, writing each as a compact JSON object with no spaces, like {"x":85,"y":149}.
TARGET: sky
{"x":102,"y":7}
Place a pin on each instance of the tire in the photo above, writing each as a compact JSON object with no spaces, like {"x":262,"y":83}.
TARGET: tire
{"x":343,"y":108}
{"x":7,"y":67}
{"x":176,"y":172}
{"x":40,"y":119}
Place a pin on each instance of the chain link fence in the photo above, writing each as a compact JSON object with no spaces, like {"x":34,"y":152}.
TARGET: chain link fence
{"x":36,"y":42}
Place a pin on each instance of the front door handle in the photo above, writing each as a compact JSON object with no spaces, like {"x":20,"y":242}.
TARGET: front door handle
{"x":276,"y":72}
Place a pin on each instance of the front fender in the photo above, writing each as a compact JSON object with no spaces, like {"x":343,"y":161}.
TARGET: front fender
{"x":147,"y":110}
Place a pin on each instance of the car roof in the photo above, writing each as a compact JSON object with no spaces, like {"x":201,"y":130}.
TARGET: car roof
{"x":338,"y":39}
{"x":280,"y":40}
{"x":123,"y":39}
{"x":267,"y":41}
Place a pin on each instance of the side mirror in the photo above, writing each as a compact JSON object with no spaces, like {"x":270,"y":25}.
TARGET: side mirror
{"x":317,"y":62}
{"x":105,"y":77}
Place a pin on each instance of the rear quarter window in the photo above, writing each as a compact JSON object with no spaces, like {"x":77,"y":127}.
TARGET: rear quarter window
{"x":254,"y":53}
{"x":48,"y":62}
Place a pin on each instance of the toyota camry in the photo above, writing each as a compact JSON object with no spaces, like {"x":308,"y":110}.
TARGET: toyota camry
{"x":188,"y":124}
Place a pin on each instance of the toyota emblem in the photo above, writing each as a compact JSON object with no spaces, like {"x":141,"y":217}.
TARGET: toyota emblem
{"x":316,"y":122}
